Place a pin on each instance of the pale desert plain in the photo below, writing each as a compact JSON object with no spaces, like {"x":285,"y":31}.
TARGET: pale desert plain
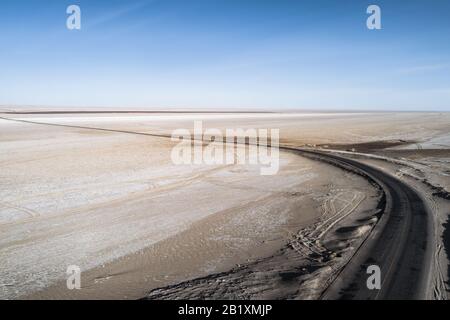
{"x":99,"y":190}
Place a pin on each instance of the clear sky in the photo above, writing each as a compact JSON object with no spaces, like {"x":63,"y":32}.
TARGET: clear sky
{"x":226,"y":53}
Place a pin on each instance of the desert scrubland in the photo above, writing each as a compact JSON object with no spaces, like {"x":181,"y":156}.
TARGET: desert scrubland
{"x":100,"y":191}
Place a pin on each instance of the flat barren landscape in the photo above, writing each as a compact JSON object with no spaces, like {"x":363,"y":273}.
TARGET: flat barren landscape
{"x":99,"y":190}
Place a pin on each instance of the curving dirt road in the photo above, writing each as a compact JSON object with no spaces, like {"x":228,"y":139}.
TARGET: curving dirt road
{"x":400,"y":243}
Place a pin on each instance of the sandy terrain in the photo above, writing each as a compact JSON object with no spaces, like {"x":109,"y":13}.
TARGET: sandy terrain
{"x":113,"y":203}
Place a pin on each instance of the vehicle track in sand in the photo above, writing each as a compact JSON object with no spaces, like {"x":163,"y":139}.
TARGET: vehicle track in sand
{"x":400,"y":243}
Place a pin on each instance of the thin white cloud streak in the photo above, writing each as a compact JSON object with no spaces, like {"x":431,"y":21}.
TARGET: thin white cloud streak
{"x":424,"y":69}
{"x":113,"y":15}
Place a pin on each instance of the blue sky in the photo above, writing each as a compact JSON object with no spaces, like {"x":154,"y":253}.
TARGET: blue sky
{"x":226,"y":53}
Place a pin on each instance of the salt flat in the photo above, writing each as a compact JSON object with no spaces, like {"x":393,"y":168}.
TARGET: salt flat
{"x":114,"y":204}
{"x":179,"y":116}
{"x":73,"y":196}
